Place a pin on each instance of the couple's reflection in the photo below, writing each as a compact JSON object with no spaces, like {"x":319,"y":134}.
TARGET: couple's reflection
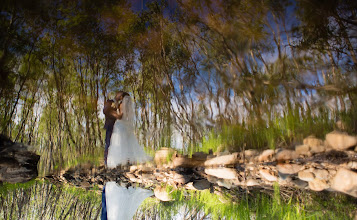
{"x":120,"y":202}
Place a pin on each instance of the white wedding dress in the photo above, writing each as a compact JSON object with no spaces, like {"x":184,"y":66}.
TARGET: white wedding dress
{"x":122,"y":202}
{"x":124,"y":146}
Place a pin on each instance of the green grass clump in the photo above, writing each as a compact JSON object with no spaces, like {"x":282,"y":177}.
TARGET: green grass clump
{"x":233,"y":204}
{"x":284,"y":130}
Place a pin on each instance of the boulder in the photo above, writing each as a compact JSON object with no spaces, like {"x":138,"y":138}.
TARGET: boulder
{"x":345,"y":181}
{"x":266,"y":174}
{"x":266,"y":155}
{"x":303,"y":150}
{"x":252,"y":182}
{"x":306,"y":175}
{"x":318,"y":185}
{"x":223,"y":160}
{"x":212,"y":179}
{"x":181,"y":179}
{"x":317,"y":149}
{"x":161,"y":193}
{"x":352,"y":165}
{"x":300,"y":183}
{"x":201,"y":184}
{"x":185,"y":162}
{"x":17,"y":163}
{"x":289,"y":168}
{"x":163,"y":156}
{"x":283,"y":177}
{"x":321,"y":174}
{"x":312,"y":141}
{"x":223,"y":173}
{"x":316,"y":145}
{"x":340,"y":140}
{"x":225,"y":183}
{"x":285,"y":155}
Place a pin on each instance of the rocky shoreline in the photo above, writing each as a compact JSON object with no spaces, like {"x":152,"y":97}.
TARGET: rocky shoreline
{"x":316,"y":165}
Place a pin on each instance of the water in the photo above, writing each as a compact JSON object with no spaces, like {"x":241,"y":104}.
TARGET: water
{"x":242,"y":185}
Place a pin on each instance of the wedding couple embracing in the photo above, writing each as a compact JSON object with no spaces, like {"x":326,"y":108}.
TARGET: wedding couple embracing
{"x":121,"y":144}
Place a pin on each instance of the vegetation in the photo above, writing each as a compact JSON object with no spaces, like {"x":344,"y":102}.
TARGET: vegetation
{"x":285,"y":131}
{"x":43,"y":200}
{"x":257,"y":73}
{"x":234,"y":204}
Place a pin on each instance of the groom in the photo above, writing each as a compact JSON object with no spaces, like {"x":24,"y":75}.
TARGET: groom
{"x":111,"y":115}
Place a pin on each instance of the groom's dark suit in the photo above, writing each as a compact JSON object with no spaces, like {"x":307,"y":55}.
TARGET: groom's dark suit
{"x":110,"y":112}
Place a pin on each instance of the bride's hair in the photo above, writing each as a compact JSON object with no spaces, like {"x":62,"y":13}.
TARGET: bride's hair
{"x":122,"y":93}
{"x":128,"y":108}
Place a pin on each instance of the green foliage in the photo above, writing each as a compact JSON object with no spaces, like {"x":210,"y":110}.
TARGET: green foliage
{"x":6,"y":188}
{"x":282,"y":131}
{"x":18,"y":201}
{"x":233,"y":204}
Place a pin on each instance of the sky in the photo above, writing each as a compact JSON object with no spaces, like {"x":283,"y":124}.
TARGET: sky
{"x":139,"y":5}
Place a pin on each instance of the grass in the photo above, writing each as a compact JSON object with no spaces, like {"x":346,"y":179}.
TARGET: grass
{"x":283,"y":131}
{"x":233,"y":204}
{"x":39,"y":199}
{"x":5,"y":188}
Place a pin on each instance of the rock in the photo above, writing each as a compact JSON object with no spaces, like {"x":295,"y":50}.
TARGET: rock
{"x":283,"y":176}
{"x":17,"y":163}
{"x":181,"y":179}
{"x":266,"y":155}
{"x":317,"y":149}
{"x":345,"y":181}
{"x":189,"y":186}
{"x":131,"y":177}
{"x":212,"y":179}
{"x":146,"y":168}
{"x":225,"y":183}
{"x":340,"y":140}
{"x":285,"y":155}
{"x":288,"y":168}
{"x":224,"y":173}
{"x":268,"y":175}
{"x":185,"y":162}
{"x":332,"y":172}
{"x":321,"y":174}
{"x":199,"y":156}
{"x":252,"y":182}
{"x":161,"y":193}
{"x":300,"y":183}
{"x":250,"y":153}
{"x":223,"y":160}
{"x":201,"y":184}
{"x":303,"y":150}
{"x":163,"y":156}
{"x":316,"y":145}
{"x":318,"y":185}
{"x":306,"y":175}
{"x":147,"y":177}
{"x":133,"y":168}
{"x":352,"y":165}
{"x":85,"y":184}
{"x":312,"y":141}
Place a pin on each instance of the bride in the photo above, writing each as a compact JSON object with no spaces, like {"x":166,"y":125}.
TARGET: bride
{"x":124,"y":147}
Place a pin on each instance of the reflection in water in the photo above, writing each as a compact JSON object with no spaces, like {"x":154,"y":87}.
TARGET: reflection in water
{"x":121,"y":202}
